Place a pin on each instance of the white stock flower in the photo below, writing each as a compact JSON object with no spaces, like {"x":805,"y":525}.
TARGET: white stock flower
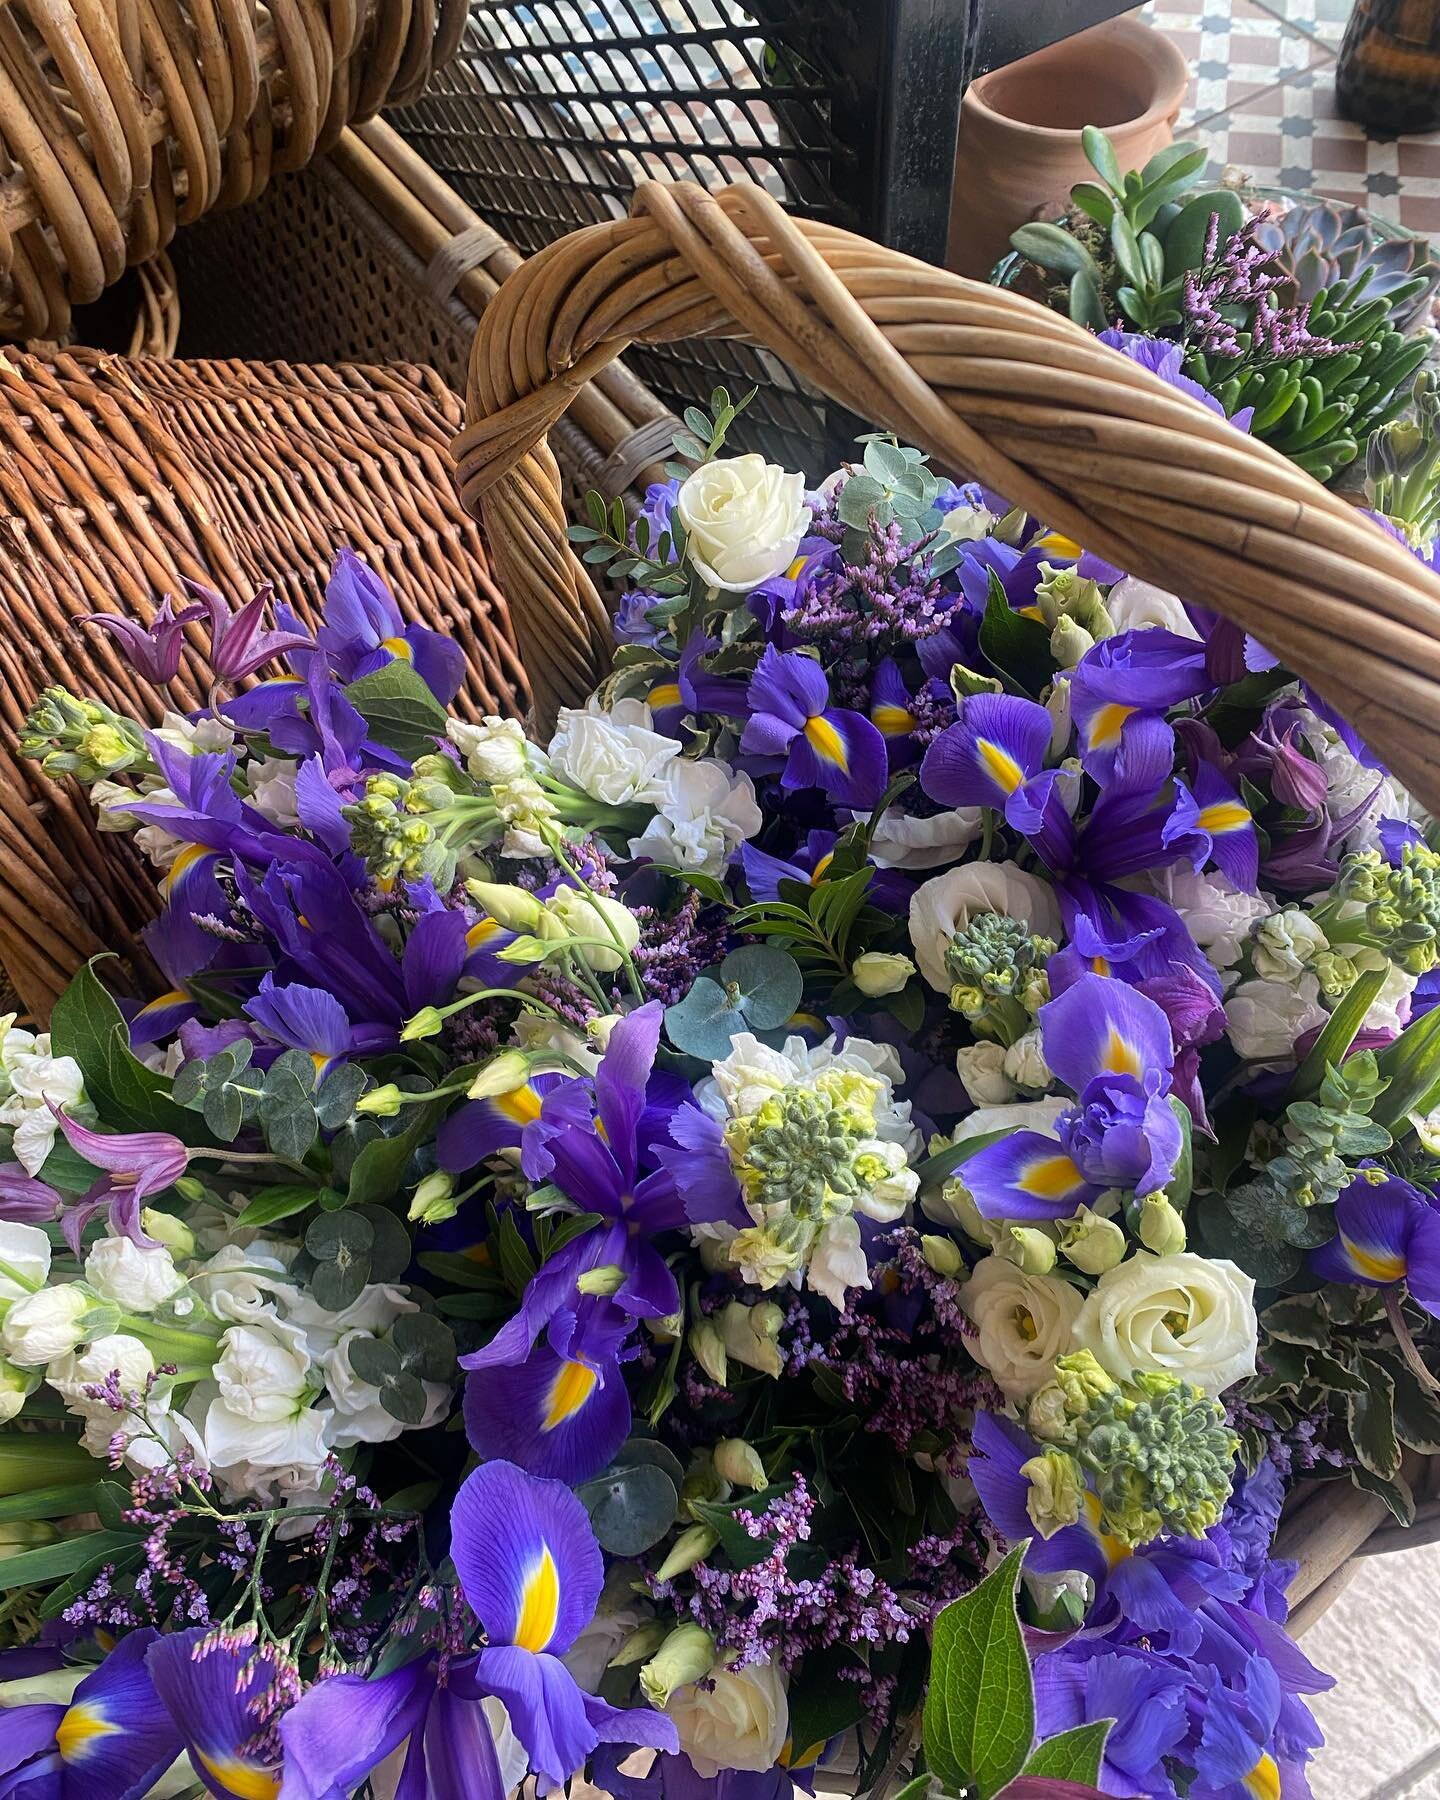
{"x":24,"y":1259}
{"x":494,"y":750}
{"x":706,"y":811}
{"x":1023,"y":1323}
{"x":981,"y":1068}
{"x":1353,"y":784}
{"x":902,"y":841}
{"x":837,"y":1262}
{"x":743,"y":518}
{"x":736,"y":1719}
{"x":614,"y":757}
{"x":118,"y":1354}
{"x":1135,"y":605}
{"x":240,"y":1281}
{"x":1263,"y":1019}
{"x":1185,"y":1315}
{"x":42,"y":1326}
{"x":263,"y":1371}
{"x":752,"y":1072}
{"x":1218,"y":914}
{"x":110,"y":799}
{"x":1285,"y":943}
{"x":31,"y":1082}
{"x":946,"y":904}
{"x":135,"y":1277}
{"x":202,"y":735}
{"x":266,"y":1460}
{"x":272,"y":788}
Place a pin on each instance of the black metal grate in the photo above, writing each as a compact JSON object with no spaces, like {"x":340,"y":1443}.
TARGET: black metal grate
{"x":553,"y":110}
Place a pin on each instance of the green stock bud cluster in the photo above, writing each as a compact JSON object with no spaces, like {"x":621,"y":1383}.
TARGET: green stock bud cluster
{"x":1402,"y":904}
{"x":70,"y":736}
{"x":801,"y":1147}
{"x":997,"y":968}
{"x":405,"y":829}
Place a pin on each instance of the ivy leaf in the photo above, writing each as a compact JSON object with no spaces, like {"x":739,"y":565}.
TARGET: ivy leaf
{"x":980,"y":1711}
{"x":1297,"y":1321}
{"x":1417,"y":1411}
{"x":399,"y":709}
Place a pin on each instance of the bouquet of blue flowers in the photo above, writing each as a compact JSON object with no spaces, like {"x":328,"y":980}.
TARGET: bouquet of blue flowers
{"x":597,"y":1249}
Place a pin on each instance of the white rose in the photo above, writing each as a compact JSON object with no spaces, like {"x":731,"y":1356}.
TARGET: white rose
{"x":42,"y":1326}
{"x":1285,"y":943}
{"x":1135,"y":605}
{"x":614,"y":757}
{"x":71,"y":1375}
{"x":24,"y":1259}
{"x":743,"y":518}
{"x":1186,"y":1315}
{"x":1263,"y":1019}
{"x":1218,"y":914}
{"x":946,"y":904}
{"x":981,"y":1068}
{"x":1025,"y":1062}
{"x":494,"y":750}
{"x":737,"y":1719}
{"x":1024,"y":1322}
{"x":263,"y":1371}
{"x":272,"y":788}
{"x":134,"y":1277}
{"x":902,"y":841}
{"x":706,"y":811}
{"x":579,"y":913}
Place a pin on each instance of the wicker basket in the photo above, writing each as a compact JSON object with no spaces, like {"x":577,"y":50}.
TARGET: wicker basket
{"x":118,"y":479}
{"x":995,"y":387}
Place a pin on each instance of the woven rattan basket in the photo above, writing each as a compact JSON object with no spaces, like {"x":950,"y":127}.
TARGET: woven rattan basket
{"x":994,"y":387}
{"x":120,"y":478}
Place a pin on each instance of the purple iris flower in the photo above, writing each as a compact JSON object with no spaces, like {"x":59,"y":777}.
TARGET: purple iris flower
{"x":1119,"y":695}
{"x":674,"y":1778}
{"x":239,"y":642}
{"x":1091,"y":1679}
{"x":1017,"y":571}
{"x":1386,"y":1231}
{"x":631,"y":625}
{"x":828,"y":747}
{"x":1164,"y":358}
{"x":312,"y":1020}
{"x":892,"y":715}
{"x":1112,"y":1047}
{"x":220,"y":1697}
{"x":136,"y":1164}
{"x":115,"y":1736}
{"x":363,"y":630}
{"x":23,"y":1197}
{"x":1134,"y":936}
{"x":994,"y":755}
{"x":1211,"y":823}
{"x":152,"y":650}
{"x":701,"y":692}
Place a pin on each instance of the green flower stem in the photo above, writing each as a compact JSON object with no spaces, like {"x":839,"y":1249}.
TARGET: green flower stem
{"x":189,"y":1350}
{"x":13,"y":1274}
{"x":224,"y":1154}
{"x":615,"y":940}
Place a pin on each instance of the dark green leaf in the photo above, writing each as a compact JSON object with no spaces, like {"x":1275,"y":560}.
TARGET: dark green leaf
{"x":1018,"y":649}
{"x":743,"y":1550}
{"x":1298,"y":1321}
{"x":1073,"y":1755}
{"x":1055,"y":250}
{"x":980,"y":1710}
{"x":1417,"y":1410}
{"x":374,"y":1361}
{"x":287,"y":1112}
{"x":823,"y":1704}
{"x":339,"y":1091}
{"x":389,"y":1246}
{"x":339,"y":1234}
{"x":33,"y":1568}
{"x":400,"y":710}
{"x":379,"y":1171}
{"x":404,"y":1399}
{"x":630,"y":1509}
{"x":338,"y":1284}
{"x":426,"y":1346}
{"x":278,"y":1203}
{"x":1100,"y":154}
{"x":1394,"y":1492}
{"x":224,"y":1112}
{"x":50,"y":1503}
{"x":87,"y":1025}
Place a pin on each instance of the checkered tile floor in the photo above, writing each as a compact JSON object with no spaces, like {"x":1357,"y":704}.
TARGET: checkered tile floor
{"x":1262,"y":95}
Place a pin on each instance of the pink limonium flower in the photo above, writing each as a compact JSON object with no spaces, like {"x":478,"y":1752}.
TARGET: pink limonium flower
{"x":239,"y":644}
{"x":136,"y":1164}
{"x":152,"y":650}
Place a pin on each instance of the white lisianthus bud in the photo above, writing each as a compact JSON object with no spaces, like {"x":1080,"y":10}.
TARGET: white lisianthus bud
{"x":749,"y":1334}
{"x":1028,"y":1248}
{"x":166,"y":1229}
{"x":597,"y":918}
{"x":743,"y":518}
{"x":1161,"y":1227}
{"x":46,"y":1325}
{"x":739,"y":1463}
{"x":877,"y":974}
{"x":501,"y":1075}
{"x":708,"y":1350}
{"x":513,"y":907}
{"x":954,"y":1204}
{"x":133,"y":1277}
{"x":1091,"y":1243}
{"x":692,"y":1546}
{"x":941,"y":1254}
{"x":641,"y":1644}
{"x":688,"y":1654}
{"x":597,"y":1031}
{"x":433,"y":1200}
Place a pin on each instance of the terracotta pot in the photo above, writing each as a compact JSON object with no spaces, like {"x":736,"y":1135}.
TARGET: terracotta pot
{"x":1019,"y":144}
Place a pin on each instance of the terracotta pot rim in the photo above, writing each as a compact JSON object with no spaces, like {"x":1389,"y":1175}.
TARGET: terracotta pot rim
{"x":1162,"y":107}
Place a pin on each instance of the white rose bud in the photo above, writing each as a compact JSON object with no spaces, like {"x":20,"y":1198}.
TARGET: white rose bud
{"x":45,"y":1325}
{"x":739,"y":1719}
{"x":133,"y":1277}
{"x":744,"y":519}
{"x":1186,"y":1315}
{"x":739,"y":1463}
{"x":877,"y":974}
{"x":1093,"y":1244}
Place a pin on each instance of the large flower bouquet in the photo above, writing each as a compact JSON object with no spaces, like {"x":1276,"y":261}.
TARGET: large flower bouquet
{"x":598,"y":1248}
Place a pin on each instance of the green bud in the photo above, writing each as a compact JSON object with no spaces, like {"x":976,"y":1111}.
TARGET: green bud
{"x":1028,"y":1248}
{"x":641,"y":1644}
{"x":608,"y":1279}
{"x":739,"y":1463}
{"x":1161,"y":1228}
{"x":687,"y":1655}
{"x":433,"y":1200}
{"x":166,"y":1229}
{"x":189,"y":1188}
{"x":425,"y":1024}
{"x":692,"y":1546}
{"x":1069,"y":642}
{"x":749,"y":1335}
{"x":1081,"y":1379}
{"x":941,"y":1254}
{"x":708,"y":1350}
{"x":1091,"y":1243}
{"x":513,"y":907}
{"x":501,"y":1075}
{"x":381,"y":1102}
{"x":877,"y":974}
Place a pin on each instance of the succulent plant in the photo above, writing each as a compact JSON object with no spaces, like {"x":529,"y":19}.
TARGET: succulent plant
{"x":1320,"y":244}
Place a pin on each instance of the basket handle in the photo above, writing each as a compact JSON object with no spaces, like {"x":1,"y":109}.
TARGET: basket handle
{"x":991,"y":385}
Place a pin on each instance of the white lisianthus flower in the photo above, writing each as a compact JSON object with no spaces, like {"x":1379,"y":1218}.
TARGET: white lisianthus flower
{"x":1186,"y":1315}
{"x":1025,"y":1062}
{"x":736,"y":1719}
{"x":1135,"y":605}
{"x":902,"y":841}
{"x":32,"y":1081}
{"x":1024,"y":1323}
{"x":615,"y":757}
{"x":1263,"y":1019}
{"x":1285,"y":943}
{"x":706,"y":811}
{"x":743,"y":518}
{"x":981,"y":1068}
{"x":263,"y":1371}
{"x":43,"y":1326}
{"x":1218,"y":914}
{"x":135,"y":1277}
{"x":24,"y":1259}
{"x":494,"y":750}
{"x":272,"y":788}
{"x":947,"y":903}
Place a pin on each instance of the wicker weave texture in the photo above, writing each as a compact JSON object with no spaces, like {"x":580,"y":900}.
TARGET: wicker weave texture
{"x":119,"y":122}
{"x":120,"y":479}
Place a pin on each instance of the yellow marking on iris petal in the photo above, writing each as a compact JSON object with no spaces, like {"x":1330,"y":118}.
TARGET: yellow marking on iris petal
{"x":892,"y":721}
{"x":1104,"y":732}
{"x":1223,"y":816}
{"x":793,"y":572}
{"x":1120,"y":1056}
{"x":188,"y":857}
{"x":827,"y":743}
{"x":1050,"y":1178}
{"x":817,"y":874}
{"x":1058,"y":544}
{"x":803,"y":1021}
{"x":1378,"y":1265}
{"x":246,"y":1780}
{"x":571,"y":1388}
{"x":1100,"y":965}
{"x":539,"y":1604}
{"x":1263,"y":1781}
{"x":176,"y":997}
{"x":520,"y":1105}
{"x":1030,"y":612}
{"x":1115,"y":1551}
{"x":398,"y":648}
{"x":321,"y":1060}
{"x":77,"y":1732}
{"x":479,"y":935}
{"x":667,"y":693}
{"x":999,"y":765}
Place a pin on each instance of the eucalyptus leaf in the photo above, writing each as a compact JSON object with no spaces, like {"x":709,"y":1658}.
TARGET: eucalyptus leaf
{"x":769,"y":981}
{"x":630,"y":1508}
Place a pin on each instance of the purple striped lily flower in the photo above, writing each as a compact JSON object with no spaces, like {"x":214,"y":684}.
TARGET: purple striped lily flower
{"x":1386,"y":1231}
{"x":239,"y":642}
{"x":825,"y":746}
{"x":152,"y":650}
{"x":137,"y":1165}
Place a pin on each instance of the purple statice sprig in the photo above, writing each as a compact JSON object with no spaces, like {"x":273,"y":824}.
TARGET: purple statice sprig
{"x":1243,"y":274}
